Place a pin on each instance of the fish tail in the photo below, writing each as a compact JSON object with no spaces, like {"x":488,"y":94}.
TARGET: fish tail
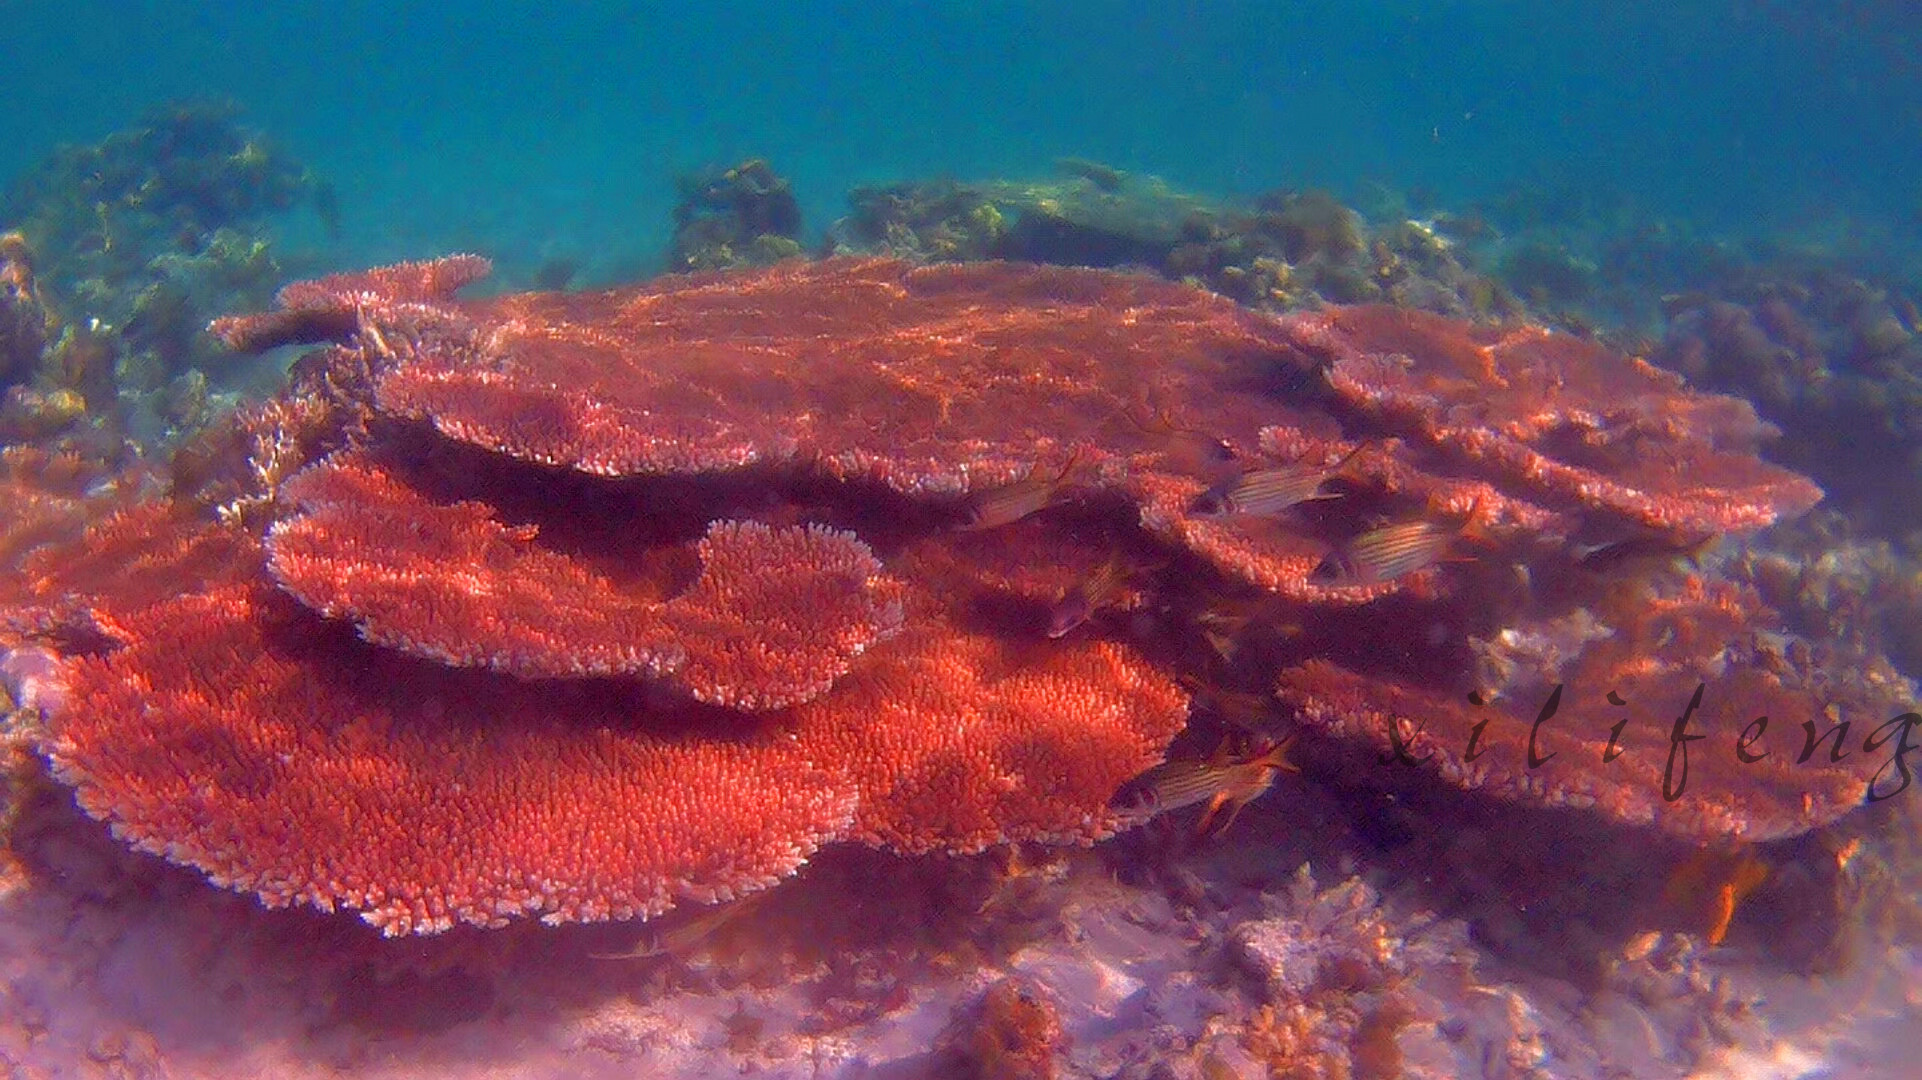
{"x":1069,"y":467}
{"x":1276,"y":756}
{"x":1342,"y":462}
{"x":1472,"y":529}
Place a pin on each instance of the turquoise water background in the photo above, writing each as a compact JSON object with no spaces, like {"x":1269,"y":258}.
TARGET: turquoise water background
{"x":557,"y":130}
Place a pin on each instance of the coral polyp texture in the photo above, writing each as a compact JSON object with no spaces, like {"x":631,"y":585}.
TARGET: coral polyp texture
{"x":775,"y":617}
{"x":585,"y":605}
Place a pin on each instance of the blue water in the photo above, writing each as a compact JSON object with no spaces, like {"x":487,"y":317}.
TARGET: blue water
{"x":531,"y":132}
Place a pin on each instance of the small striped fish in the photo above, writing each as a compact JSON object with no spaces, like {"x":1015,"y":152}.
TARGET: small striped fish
{"x":1223,"y":782}
{"x":1091,"y":594}
{"x":1389,"y":551}
{"x":1017,"y":499}
{"x":683,"y":936}
{"x":1270,"y":490}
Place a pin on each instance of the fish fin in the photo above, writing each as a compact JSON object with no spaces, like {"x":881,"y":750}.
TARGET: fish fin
{"x":1710,"y":885}
{"x":1224,"y":753}
{"x":1225,"y":646}
{"x":1721,"y":913}
{"x":1234,"y":811}
{"x":1068,"y":469}
{"x":1205,"y":824}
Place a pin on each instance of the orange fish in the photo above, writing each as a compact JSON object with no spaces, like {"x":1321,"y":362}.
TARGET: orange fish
{"x":1223,"y":782}
{"x":1010,"y":502}
{"x":1387,"y":552}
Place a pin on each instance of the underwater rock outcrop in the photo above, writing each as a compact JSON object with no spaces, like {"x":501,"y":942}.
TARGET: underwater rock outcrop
{"x":23,"y":319}
{"x":1832,"y":359}
{"x":731,"y":218}
{"x":1286,"y":251}
{"x":584,"y":605}
{"x":138,"y":240}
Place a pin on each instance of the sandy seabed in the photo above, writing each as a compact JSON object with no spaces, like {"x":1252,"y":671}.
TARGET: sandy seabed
{"x":1272,"y":951}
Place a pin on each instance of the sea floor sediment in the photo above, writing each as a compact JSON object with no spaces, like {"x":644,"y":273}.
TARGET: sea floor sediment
{"x":1278,"y":949}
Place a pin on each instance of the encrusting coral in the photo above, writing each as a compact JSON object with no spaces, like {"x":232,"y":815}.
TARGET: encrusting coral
{"x":659,"y":589}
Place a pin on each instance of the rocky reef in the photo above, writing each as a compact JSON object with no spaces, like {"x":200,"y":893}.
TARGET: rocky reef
{"x":133,"y":244}
{"x":1289,"y":250}
{"x":728,"y":218}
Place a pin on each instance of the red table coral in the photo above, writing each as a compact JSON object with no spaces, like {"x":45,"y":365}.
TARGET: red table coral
{"x":775,"y":616}
{"x":1628,"y":670}
{"x":580,"y":605}
{"x":1566,"y":419}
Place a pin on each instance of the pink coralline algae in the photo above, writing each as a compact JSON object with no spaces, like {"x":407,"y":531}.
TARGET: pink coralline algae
{"x":584,"y":605}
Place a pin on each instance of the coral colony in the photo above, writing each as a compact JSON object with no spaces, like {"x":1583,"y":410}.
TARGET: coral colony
{"x":582,"y":606}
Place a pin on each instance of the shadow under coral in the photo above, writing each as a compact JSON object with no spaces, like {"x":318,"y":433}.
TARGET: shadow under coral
{"x":1158,"y":946}
{"x":103,"y":947}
